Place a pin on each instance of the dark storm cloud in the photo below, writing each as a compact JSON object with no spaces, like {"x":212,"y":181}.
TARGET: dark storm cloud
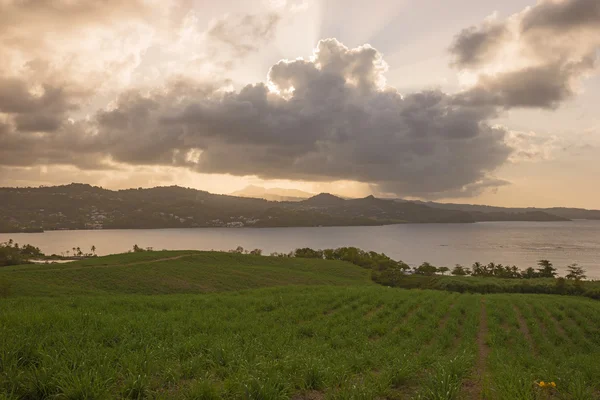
{"x":545,"y":86}
{"x":329,"y":119}
{"x":41,"y":111}
{"x":473,"y":45}
{"x":62,"y":14}
{"x":557,"y":44}
{"x":68,"y":145}
{"x":16,"y":97}
{"x":563,"y":16}
{"x":37,"y":123}
{"x":244,"y":33}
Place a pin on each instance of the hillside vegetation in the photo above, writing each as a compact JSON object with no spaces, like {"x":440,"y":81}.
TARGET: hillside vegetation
{"x":79,"y":206}
{"x":301,"y":343}
{"x":167,"y":272}
{"x":90,"y":330}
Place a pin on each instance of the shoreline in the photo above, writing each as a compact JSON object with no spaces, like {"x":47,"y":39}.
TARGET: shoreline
{"x":289,"y":226}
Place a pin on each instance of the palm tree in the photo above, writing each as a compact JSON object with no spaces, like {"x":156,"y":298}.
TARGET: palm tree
{"x":546,"y":269}
{"x":576,"y":272}
{"x":477,"y":269}
{"x":93,"y":249}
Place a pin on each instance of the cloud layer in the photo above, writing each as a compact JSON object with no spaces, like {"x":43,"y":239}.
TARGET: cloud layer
{"x":534,"y":58}
{"x":329,"y":117}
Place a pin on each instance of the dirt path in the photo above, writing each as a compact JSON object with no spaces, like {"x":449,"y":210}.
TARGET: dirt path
{"x":374,"y":311}
{"x":473,"y":387}
{"x":446,"y":317}
{"x":525,"y":329}
{"x":116,"y":265}
{"x":557,"y":326}
{"x":149,"y":262}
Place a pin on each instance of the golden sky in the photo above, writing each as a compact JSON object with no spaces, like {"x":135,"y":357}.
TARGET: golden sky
{"x":482,"y":102}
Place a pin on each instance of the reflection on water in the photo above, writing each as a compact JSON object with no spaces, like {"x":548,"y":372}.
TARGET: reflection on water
{"x":518,"y":243}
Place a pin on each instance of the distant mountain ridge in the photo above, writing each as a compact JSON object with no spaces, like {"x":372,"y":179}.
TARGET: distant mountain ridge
{"x":273,"y":194}
{"x":81,"y":206}
{"x":563,"y":212}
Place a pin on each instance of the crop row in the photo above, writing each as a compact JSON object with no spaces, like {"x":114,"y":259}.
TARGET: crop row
{"x":302,"y":342}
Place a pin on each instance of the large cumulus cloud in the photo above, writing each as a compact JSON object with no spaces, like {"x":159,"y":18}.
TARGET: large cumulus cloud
{"x":534,"y":58}
{"x":327,"y":118}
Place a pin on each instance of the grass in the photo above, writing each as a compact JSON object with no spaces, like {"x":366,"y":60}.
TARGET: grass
{"x":89,"y":330}
{"x":167,"y":272}
{"x":344,"y":342}
{"x":543,"y":338}
{"x":485,"y":285}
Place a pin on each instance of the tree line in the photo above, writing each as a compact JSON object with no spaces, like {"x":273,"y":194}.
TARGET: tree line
{"x":11,"y":253}
{"x":388,"y":272}
{"x":545,"y":269}
{"x":381,"y":262}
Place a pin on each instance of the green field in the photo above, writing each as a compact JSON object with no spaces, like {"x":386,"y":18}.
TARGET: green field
{"x":92,"y":330}
{"x":169,"y":272}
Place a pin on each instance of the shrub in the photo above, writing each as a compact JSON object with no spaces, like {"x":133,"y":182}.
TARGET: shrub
{"x":561,"y":286}
{"x":308,"y":253}
{"x":593,"y":293}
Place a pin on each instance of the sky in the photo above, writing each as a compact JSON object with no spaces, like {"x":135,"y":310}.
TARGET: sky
{"x":479,"y":101}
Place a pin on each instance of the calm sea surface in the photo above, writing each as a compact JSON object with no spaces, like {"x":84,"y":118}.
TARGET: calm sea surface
{"x":518,"y":243}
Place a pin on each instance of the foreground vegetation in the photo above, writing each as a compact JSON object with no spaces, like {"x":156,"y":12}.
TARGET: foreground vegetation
{"x":168,"y":272}
{"x":481,"y":278}
{"x":214,"y":328}
{"x":13,"y":254}
{"x":215,"y":268}
{"x":300,"y":342}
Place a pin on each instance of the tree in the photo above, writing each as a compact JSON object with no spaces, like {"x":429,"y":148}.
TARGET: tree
{"x":546,"y":269}
{"x":307,"y":252}
{"x":425,"y":269}
{"x":93,"y":249}
{"x":402,"y":266}
{"x":575,"y":272}
{"x":443,"y":270}
{"x":479,"y":269}
{"x":256,"y":252}
{"x":529,"y":273}
{"x":329,"y":254}
{"x":514,"y":272}
{"x":239,"y":250}
{"x":459,"y":270}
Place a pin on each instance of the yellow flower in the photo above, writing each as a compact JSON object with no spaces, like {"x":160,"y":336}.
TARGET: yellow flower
{"x":543,"y":384}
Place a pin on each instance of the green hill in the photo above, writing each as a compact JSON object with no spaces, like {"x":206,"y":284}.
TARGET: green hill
{"x":90,"y":330}
{"x":168,"y":272}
